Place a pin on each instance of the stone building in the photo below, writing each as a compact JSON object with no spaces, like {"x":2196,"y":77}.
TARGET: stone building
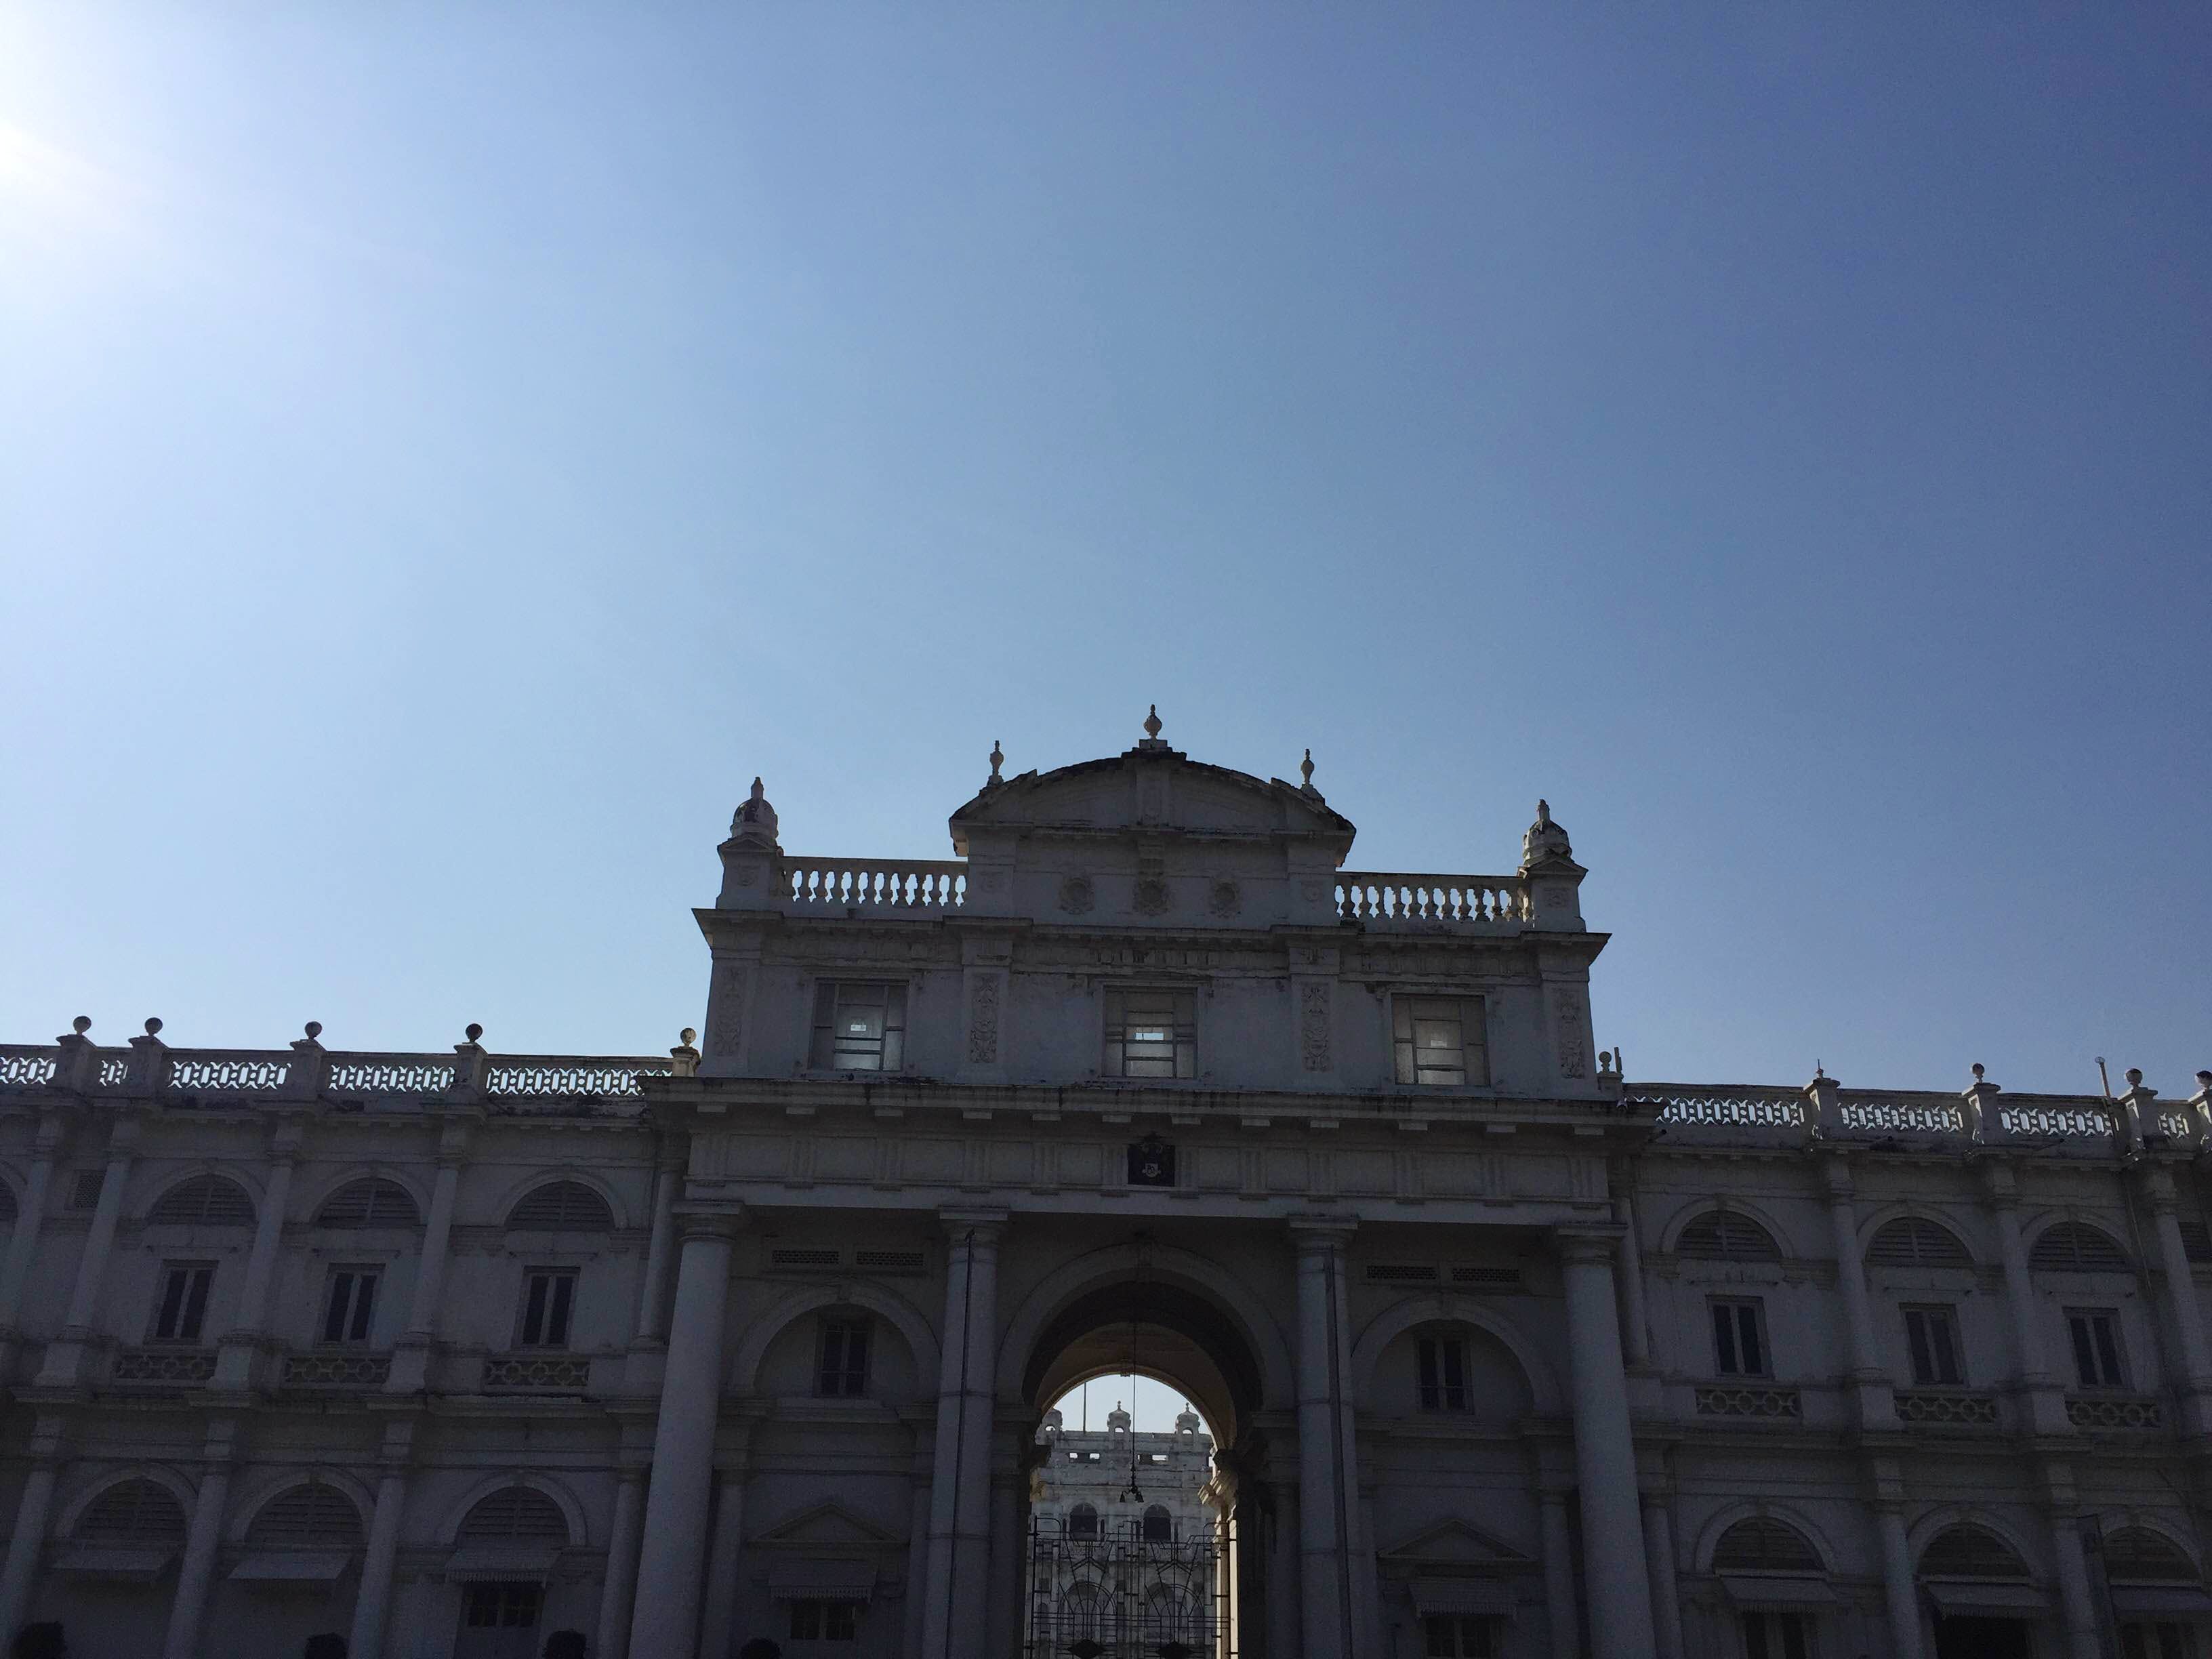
{"x":1503,"y":1355}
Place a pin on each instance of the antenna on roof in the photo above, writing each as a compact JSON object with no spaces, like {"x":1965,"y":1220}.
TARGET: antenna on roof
{"x":2104,"y":1077}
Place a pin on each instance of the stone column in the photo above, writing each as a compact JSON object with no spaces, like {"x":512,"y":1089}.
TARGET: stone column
{"x":620,"y":1587}
{"x":2178,"y":1283}
{"x":23,"y":1244}
{"x":66,"y":1354}
{"x":1335,"y":1615}
{"x":667,"y":1184}
{"x":1635,"y":1322}
{"x":2043,"y":1399}
{"x":234,"y":1364}
{"x":1666,"y":1598}
{"x":1559,"y":1610}
{"x":667,"y":1617}
{"x":372,"y":1606}
{"x":1002,"y":1628}
{"x":2084,"y":1629}
{"x":717,"y":1624}
{"x":28,"y":1540}
{"x":196,"y":1574}
{"x":1871,"y":1388}
{"x":960,"y":1487}
{"x":1614,"y":1567}
{"x":917,"y":1554}
{"x":410,"y":1355}
{"x":1899,"y":1594}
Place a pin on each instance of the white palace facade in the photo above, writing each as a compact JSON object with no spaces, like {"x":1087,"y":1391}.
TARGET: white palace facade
{"x":1500,"y":1354}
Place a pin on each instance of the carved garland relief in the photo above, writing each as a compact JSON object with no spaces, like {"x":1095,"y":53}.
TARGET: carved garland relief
{"x":983,"y":1020}
{"x":1574,"y":1058}
{"x":1313,"y":1025}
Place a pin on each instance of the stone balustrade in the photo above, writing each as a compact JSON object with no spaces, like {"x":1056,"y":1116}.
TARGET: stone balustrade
{"x":910,"y":886}
{"x":1373,"y":896}
{"x":1749,"y":1114}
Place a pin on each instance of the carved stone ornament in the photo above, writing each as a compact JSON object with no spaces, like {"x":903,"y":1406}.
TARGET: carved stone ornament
{"x":1151,"y":1162}
{"x":1224,"y":900}
{"x":1312,"y":891}
{"x":1313,"y":1025}
{"x":983,"y":1020}
{"x":1078,"y":896}
{"x":1150,"y":897}
{"x":725,"y":1032}
{"x":1574,"y":1058}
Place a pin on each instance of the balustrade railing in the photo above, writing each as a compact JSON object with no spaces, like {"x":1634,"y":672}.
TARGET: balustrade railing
{"x":1373,"y":896}
{"x":336,"y":1371}
{"x":555,"y":1076}
{"x":162,"y":1368}
{"x":909,"y":884}
{"x":389,"y":1074}
{"x":1722,"y":1106}
{"x":22,"y":1066}
{"x":2072,"y":1126}
{"x":1947,"y":1408}
{"x":2128,"y":1413}
{"x":537,"y":1374}
{"x":1776,"y":1405}
{"x":228,"y":1072}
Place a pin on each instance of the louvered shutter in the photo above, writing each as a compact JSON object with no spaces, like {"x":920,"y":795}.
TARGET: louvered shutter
{"x":1967,"y":1551}
{"x":516,"y":1514}
{"x":373,"y":1202}
{"x":132,"y":1512}
{"x":1915,"y":1241}
{"x":2073,"y":1247}
{"x":208,"y":1200}
{"x":1727,"y":1236}
{"x":2137,"y":1555}
{"x":307,"y":1518}
{"x":561,"y":1207}
{"x":1764,"y":1545}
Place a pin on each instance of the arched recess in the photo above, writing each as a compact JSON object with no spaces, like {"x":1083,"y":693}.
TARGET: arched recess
{"x":1705,"y":1210}
{"x":1726,"y":1520}
{"x":1934,"y":1525}
{"x":894,"y":1311}
{"x":2066,"y":1243}
{"x":175,"y":1485}
{"x":331,"y":1190}
{"x":201,"y":1191}
{"x":449,"y":1529}
{"x":1210,"y":1307}
{"x":1400,"y":1317}
{"x":504,"y":1209}
{"x":275,"y":1483}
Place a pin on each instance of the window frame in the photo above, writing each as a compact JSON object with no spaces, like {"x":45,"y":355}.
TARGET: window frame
{"x":839,"y":1331}
{"x":2090,"y":1323}
{"x":829,"y":1049}
{"x":1779,"y":1633}
{"x":532,"y":1314}
{"x":1179,"y":1047}
{"x":192,"y":1296}
{"x":1471,"y":1014}
{"x":1452,"y":1629}
{"x":1922,"y":1321}
{"x":360,"y":1311}
{"x":816,"y":1618}
{"x":1440,"y":1371}
{"x":1742,"y":1315}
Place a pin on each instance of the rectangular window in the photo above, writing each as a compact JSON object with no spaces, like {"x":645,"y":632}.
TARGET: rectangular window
{"x":501,"y":1607}
{"x":2159,"y":1640}
{"x":825,"y":1621}
{"x":844,"y":1373}
{"x":1440,"y":1040}
{"x":351,"y":1310}
{"x":859,"y":1026}
{"x":549,"y":1297}
{"x":1454,"y":1635}
{"x":1150,"y":1033}
{"x":1777,"y":1636}
{"x":1739,"y":1338}
{"x":182,"y":1309}
{"x":1932,"y":1335}
{"x":1443,"y":1361}
{"x":2096,"y":1334}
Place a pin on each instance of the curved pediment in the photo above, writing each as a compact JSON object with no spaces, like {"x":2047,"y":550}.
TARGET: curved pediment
{"x":1154,"y":789}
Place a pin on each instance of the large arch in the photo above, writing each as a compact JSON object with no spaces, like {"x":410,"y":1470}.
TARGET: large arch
{"x":1403,"y":1316}
{"x":273,"y":1484}
{"x":1728,"y":1516}
{"x":572,"y":1511}
{"x":895,"y":1310}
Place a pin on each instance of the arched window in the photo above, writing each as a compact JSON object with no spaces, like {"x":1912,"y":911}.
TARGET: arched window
{"x":1081,"y":1615}
{"x":515,"y":1515}
{"x":1967,"y":1551}
{"x":371,"y":1201}
{"x":560,"y":1206}
{"x":2074,"y":1247}
{"x":139,"y":1512}
{"x":1159,"y":1525}
{"x":208,"y":1200}
{"x":1727,"y":1236}
{"x":1083,"y":1521}
{"x":1764,"y":1545}
{"x":310,"y":1517}
{"x":1913,"y":1241}
{"x":2137,"y":1555}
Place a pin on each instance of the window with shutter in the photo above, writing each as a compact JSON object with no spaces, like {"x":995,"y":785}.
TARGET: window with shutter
{"x":1913,"y":1241}
{"x":208,"y":1200}
{"x":1766,"y":1545}
{"x":1727,"y":1236}
{"x":516,"y":1513}
{"x":2074,"y":1247}
{"x":2137,"y":1555}
{"x":133,"y":1512}
{"x":561,"y":1207}
{"x":310,"y":1517}
{"x":373,"y":1202}
{"x":1967,"y":1551}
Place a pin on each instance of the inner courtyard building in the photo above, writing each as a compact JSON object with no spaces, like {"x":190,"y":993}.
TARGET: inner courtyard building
{"x":1489,"y":1351}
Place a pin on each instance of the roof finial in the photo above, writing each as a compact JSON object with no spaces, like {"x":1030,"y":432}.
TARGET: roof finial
{"x":1305,"y":769}
{"x":1152,"y":722}
{"x":998,"y":760}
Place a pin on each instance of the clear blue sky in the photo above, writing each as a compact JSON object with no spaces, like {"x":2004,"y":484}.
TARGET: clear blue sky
{"x":447,"y":451}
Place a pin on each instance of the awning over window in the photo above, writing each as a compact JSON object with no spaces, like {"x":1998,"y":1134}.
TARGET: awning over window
{"x":828,"y":1581}
{"x":293,"y":1567}
{"x":113,"y":1561}
{"x":2024,"y":1599}
{"x":1753,"y":1591}
{"x":1479,"y":1597}
{"x":2160,"y":1601}
{"x":499,"y":1564}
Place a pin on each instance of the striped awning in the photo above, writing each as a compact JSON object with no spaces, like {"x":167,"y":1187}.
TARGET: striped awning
{"x":1482,"y":1598}
{"x":293,"y":1567}
{"x":1777,"y":1591}
{"x":115,"y":1561}
{"x":501,"y":1564}
{"x":2160,"y":1601}
{"x":1959,"y":1596}
{"x":830,"y":1581}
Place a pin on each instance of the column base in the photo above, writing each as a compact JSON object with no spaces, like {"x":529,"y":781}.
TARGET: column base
{"x":645,"y":1366}
{"x":68,"y":1357}
{"x":410,"y":1365}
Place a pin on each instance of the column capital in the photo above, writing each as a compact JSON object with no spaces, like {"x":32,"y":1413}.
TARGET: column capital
{"x":1836,"y":1181}
{"x":2000,"y":1185}
{"x":972,"y":1226}
{"x":723,"y":1224}
{"x":1315,"y":1234}
{"x":1589,"y":1241}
